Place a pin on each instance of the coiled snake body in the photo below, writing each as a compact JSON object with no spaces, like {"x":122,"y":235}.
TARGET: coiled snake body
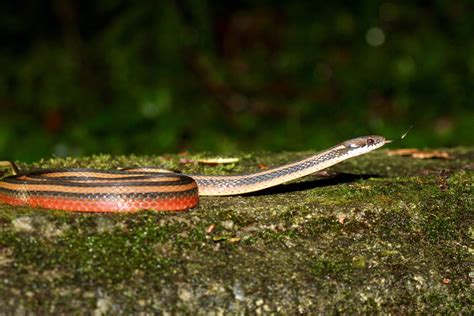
{"x":91,"y":190}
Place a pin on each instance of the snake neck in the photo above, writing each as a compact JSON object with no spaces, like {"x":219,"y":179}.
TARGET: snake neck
{"x":244,"y":183}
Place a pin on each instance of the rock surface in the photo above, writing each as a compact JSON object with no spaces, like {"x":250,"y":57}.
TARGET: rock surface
{"x":383,"y":233}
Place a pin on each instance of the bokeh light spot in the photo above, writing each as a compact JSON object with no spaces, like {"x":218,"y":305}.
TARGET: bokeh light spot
{"x":375,"y":36}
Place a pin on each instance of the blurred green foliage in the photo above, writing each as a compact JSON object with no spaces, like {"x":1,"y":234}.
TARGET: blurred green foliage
{"x":165,"y":76}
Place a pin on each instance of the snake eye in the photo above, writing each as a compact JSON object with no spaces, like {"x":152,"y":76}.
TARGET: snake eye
{"x":370,"y":141}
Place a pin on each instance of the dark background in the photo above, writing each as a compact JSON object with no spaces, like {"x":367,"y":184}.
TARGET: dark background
{"x":148,"y":77}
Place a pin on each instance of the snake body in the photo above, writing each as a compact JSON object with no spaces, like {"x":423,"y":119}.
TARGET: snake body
{"x":91,"y":190}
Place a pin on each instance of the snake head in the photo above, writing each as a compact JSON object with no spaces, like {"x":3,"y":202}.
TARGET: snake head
{"x":372,"y":141}
{"x":360,"y":145}
{"x":355,"y":147}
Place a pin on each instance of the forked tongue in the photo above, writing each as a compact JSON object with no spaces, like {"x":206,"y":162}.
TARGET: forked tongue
{"x":401,"y":137}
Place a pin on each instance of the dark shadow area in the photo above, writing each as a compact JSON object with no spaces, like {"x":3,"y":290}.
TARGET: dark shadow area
{"x":313,"y":182}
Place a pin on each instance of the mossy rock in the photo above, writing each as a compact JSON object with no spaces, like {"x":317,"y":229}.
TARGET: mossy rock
{"x":384,"y":233}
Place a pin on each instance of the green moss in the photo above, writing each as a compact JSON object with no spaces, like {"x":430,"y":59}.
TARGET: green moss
{"x":331,"y":268}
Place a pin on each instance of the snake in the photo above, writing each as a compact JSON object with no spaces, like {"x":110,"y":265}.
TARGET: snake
{"x":149,"y":188}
